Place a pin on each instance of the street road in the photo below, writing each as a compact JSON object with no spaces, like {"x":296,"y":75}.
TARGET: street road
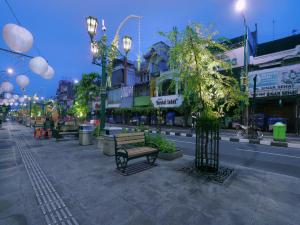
{"x":269,"y":158}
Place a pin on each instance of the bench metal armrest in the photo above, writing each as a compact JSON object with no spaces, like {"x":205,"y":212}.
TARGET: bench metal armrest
{"x":122,"y":149}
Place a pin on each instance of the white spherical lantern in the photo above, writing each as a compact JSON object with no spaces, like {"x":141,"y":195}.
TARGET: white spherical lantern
{"x":22,"y":81}
{"x":49,"y":73}
{"x":38,"y":65}
{"x":16,"y":104}
{"x":7,"y":95}
{"x":17,"y":38}
{"x":7,"y":86}
{"x":21,"y":99}
{"x":16,"y":97}
{"x":5,"y":102}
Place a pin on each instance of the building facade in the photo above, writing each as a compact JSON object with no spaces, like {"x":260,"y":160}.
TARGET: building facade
{"x":65,"y":94}
{"x":276,"y":67}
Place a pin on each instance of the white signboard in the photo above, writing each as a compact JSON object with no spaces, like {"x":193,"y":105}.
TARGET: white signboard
{"x":235,"y":57}
{"x":280,"y":81}
{"x":169,"y":101}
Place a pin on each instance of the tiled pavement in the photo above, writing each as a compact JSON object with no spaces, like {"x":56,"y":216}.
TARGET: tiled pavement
{"x":88,"y":184}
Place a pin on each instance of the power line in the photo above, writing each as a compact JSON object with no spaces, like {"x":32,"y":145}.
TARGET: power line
{"x":12,"y":12}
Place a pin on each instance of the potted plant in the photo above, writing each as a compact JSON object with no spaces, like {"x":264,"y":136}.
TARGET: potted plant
{"x":167,"y":149}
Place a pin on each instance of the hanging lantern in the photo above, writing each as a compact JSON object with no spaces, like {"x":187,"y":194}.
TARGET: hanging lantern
{"x":38,"y":65}
{"x":49,"y":73}
{"x":21,"y":99}
{"x":17,"y":38}
{"x":7,"y":86}
{"x":22,"y":81}
{"x":7,"y":95}
{"x":16,"y":97}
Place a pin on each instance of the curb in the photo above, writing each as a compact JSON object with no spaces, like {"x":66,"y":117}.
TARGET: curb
{"x":226,"y":138}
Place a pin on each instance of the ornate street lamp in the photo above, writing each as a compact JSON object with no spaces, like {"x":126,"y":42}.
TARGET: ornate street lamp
{"x":127,"y":41}
{"x":94,"y":48}
{"x":99,"y":50}
{"x":92,"y":25}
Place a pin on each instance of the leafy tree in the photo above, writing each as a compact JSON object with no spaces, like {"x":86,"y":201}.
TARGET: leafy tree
{"x":36,"y":110}
{"x":85,"y":91}
{"x":195,"y":57}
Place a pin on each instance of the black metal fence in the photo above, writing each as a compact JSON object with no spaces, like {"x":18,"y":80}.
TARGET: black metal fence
{"x":207,"y":144}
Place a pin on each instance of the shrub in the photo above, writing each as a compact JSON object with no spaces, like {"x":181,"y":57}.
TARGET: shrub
{"x":163,"y":144}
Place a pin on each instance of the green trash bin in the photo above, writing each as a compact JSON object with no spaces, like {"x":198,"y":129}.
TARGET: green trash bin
{"x":279,"y":131}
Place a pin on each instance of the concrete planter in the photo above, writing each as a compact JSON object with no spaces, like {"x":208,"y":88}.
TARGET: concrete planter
{"x":170,"y":156}
{"x":99,"y":143}
{"x":108,"y":145}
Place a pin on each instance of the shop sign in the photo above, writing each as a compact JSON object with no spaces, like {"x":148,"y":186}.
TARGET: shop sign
{"x":235,"y":57}
{"x":169,"y":101}
{"x":280,"y":81}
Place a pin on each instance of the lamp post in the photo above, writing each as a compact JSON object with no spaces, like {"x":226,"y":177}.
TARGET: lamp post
{"x":240,"y":7}
{"x":99,"y":50}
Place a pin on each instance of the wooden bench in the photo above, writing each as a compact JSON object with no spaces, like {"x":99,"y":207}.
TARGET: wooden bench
{"x":131,"y":146}
{"x":67,"y":133}
{"x":64,"y":131}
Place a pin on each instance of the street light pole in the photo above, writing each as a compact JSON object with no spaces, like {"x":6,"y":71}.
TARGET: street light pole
{"x":240,"y":7}
{"x":103,"y":82}
{"x":92,"y":24}
{"x":245,"y":88}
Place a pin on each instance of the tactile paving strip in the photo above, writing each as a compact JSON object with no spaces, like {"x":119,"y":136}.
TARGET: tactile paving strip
{"x":52,"y":205}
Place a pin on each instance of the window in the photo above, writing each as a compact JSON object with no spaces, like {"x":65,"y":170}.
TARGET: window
{"x":167,"y":88}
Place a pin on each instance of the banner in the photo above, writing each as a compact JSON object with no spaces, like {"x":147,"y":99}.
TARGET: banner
{"x":280,"y":81}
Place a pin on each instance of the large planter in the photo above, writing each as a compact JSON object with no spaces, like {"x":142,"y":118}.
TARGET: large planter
{"x":99,"y":143}
{"x":170,"y":156}
{"x":108,"y":145}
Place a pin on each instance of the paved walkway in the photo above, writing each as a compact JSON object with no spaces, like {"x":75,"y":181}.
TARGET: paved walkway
{"x":95,"y":193}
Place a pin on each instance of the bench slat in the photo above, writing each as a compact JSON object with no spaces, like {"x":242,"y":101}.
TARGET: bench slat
{"x":129,"y":138}
{"x":140,"y":151}
{"x":130,"y":142}
{"x":68,"y":132}
{"x":129,"y":134}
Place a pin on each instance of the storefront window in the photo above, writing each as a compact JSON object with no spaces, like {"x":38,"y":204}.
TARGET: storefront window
{"x":167,"y":88}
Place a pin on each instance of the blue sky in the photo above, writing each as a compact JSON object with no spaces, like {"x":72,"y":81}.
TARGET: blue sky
{"x":60,"y":33}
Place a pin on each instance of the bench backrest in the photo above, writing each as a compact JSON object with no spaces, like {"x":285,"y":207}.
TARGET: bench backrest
{"x":129,"y":138}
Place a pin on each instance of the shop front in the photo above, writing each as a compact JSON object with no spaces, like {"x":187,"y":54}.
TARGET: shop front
{"x":167,"y":105}
{"x":277,"y":95}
